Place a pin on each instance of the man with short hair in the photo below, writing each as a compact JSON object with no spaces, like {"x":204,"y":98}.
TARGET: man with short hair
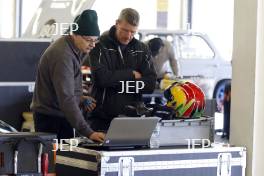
{"x":58,"y":90}
{"x":117,"y":58}
{"x":162,"y":52}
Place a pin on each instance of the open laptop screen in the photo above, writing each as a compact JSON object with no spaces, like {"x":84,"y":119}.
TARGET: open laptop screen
{"x":130,"y":131}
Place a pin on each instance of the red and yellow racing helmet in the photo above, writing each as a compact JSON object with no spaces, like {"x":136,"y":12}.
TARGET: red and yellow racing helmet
{"x":186,"y":98}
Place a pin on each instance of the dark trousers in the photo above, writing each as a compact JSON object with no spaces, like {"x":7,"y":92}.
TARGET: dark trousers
{"x":53,"y":124}
{"x":227,"y":118}
{"x":98,"y":124}
{"x":99,"y":121}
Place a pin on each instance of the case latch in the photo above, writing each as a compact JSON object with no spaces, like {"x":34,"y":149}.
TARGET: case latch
{"x":126,"y":166}
{"x":224,"y":164}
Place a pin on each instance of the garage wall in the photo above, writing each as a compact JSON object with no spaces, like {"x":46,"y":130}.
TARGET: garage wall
{"x":18,"y":65}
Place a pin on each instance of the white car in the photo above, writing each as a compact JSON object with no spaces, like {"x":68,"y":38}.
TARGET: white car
{"x":198,"y":60}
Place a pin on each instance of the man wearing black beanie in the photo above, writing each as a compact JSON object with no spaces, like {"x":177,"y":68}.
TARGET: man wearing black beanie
{"x":58,"y":90}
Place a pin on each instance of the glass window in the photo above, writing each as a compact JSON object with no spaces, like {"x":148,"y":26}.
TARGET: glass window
{"x":193,"y":47}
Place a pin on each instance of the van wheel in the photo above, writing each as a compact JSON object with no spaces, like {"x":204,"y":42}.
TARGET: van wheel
{"x":219,"y":93}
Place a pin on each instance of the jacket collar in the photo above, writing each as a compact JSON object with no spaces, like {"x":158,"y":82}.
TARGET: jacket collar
{"x":80,"y":55}
{"x":111,"y":36}
{"x":71,"y":44}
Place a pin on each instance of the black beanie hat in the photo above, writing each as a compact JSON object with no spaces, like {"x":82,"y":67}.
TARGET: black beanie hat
{"x":87,"y":23}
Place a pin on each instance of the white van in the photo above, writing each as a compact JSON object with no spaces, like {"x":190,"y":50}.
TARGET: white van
{"x":198,"y":60}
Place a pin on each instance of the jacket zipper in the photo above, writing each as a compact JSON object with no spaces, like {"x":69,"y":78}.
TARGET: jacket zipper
{"x":121,"y":55}
{"x":100,"y":56}
{"x":104,"y":88}
{"x":103,"y":96}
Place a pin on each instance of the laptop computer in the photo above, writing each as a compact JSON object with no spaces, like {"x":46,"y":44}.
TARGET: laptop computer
{"x":127,"y":132}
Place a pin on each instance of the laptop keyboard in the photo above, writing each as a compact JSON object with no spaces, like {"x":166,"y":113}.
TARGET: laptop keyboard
{"x":85,"y":140}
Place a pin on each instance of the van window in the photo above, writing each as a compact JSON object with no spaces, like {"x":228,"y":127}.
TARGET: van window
{"x":193,"y":47}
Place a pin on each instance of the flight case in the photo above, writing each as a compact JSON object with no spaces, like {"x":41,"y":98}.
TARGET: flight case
{"x":220,"y":161}
{"x":26,"y":153}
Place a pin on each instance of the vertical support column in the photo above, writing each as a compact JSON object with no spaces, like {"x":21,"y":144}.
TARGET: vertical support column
{"x":189,"y":14}
{"x":18,"y":18}
{"x":248,"y":84}
{"x":162,"y":14}
{"x":258,"y":142}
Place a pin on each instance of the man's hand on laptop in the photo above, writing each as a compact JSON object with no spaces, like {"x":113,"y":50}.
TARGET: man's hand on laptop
{"x":97,"y":136}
